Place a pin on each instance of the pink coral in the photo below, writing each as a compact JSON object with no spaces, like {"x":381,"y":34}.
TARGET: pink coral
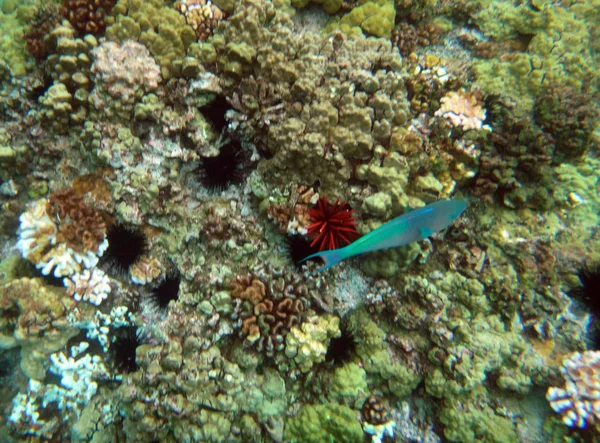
{"x":123,"y":72}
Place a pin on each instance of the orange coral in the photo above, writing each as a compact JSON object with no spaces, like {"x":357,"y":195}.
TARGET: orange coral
{"x":81,"y":228}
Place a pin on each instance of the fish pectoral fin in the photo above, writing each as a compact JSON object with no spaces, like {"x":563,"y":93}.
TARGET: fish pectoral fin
{"x":425,"y":232}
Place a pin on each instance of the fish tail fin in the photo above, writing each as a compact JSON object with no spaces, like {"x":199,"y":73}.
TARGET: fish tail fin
{"x":330,"y":258}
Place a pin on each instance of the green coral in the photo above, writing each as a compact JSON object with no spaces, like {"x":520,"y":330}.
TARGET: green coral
{"x":378,"y":362}
{"x":349,"y":383}
{"x":373,"y":17}
{"x":12,"y":46}
{"x":330,"y":422}
{"x":468,"y":418}
{"x":558,"y":52}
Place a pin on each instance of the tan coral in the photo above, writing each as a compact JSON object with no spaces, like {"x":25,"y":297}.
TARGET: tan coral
{"x":202,"y":15}
{"x":248,"y":288}
{"x":145,"y":270}
{"x":33,"y":316}
{"x":462,"y":109}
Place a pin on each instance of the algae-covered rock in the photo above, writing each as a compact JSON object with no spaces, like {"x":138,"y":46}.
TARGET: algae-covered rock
{"x":330,"y":422}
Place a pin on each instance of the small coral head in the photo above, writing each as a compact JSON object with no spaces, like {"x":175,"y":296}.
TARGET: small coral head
{"x":332,"y":226}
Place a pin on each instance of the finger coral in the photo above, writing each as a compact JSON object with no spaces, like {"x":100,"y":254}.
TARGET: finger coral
{"x":91,"y":285}
{"x":87,"y":16}
{"x":579,"y":400}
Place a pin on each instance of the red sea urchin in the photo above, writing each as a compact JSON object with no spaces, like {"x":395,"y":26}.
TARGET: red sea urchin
{"x":332,"y":226}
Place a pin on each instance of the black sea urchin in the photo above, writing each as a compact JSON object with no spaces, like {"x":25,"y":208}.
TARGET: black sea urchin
{"x":166,"y":291}
{"x":588,"y":294}
{"x":122,"y":349}
{"x":217,"y":173}
{"x":126,"y":244}
{"x":215,"y":112}
{"x":299,"y":248}
{"x":341,"y":349}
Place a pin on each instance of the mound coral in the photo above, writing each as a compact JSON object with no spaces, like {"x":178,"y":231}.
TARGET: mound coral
{"x":123,"y":74}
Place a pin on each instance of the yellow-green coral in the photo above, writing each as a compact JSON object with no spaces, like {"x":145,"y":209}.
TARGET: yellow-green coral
{"x":559,"y":51}
{"x":373,"y":17}
{"x":330,"y":422}
{"x":307,"y":344}
{"x":12,"y":46}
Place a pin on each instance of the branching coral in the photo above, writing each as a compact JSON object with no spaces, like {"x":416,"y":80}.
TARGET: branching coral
{"x":578,"y":401}
{"x":62,"y":234}
{"x":462,"y":109}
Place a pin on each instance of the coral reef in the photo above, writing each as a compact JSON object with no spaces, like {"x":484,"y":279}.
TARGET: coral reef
{"x":62,"y":235}
{"x":166,"y":166}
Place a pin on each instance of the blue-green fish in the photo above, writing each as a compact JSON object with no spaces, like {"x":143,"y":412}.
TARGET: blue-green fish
{"x":413,"y":226}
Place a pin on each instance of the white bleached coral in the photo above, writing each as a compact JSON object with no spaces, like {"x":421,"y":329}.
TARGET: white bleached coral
{"x":579,"y":400}
{"x":462,"y":109}
{"x":91,"y":285}
{"x":42,"y":243}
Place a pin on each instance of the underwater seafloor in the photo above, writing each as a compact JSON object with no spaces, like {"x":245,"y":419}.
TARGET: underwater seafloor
{"x":165,"y":166}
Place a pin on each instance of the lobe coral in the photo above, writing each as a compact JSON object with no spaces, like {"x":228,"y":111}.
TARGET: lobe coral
{"x":332,"y":226}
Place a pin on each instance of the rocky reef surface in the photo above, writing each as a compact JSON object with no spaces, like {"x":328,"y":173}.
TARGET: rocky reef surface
{"x":164,"y":167}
